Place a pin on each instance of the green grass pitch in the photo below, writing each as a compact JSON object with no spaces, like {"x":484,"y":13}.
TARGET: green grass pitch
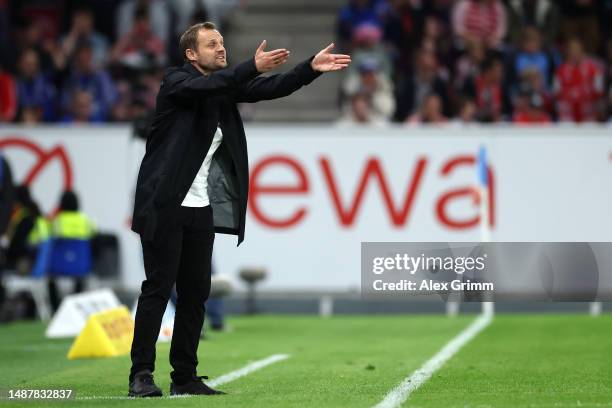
{"x":346,"y":361}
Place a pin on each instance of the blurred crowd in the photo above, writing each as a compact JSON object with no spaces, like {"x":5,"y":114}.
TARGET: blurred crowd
{"x":414,"y":61}
{"x":439,"y":61}
{"x":75,"y":61}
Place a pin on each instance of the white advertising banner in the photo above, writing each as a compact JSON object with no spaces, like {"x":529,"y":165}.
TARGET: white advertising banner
{"x":317,"y":192}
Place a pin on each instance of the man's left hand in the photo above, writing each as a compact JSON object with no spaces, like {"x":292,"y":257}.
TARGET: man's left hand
{"x":325,"y":61}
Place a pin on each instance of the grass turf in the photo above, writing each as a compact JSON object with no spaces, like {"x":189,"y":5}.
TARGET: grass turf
{"x":527,"y":360}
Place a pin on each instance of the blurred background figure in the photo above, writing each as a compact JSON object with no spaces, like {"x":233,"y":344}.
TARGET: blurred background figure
{"x":85,"y":78}
{"x":467,"y":112}
{"x":367,"y":46}
{"x":542,"y":15}
{"x":360,"y":111}
{"x":426,"y":79}
{"x":580,"y":20}
{"x":142,"y":47}
{"x":72,"y":232}
{"x":82,"y":109}
{"x":117,"y":50}
{"x":480,"y":20}
{"x":144,"y":17}
{"x":487,"y":89}
{"x":25,"y":230}
{"x":35,"y":92}
{"x":82,"y":30}
{"x":8,"y":96}
{"x":579,"y":85}
{"x":467,"y":67}
{"x":375,"y":88}
{"x":531,"y":55}
{"x":529,"y":109}
{"x":430,"y":112}
{"x":7,"y":202}
{"x":356,"y":13}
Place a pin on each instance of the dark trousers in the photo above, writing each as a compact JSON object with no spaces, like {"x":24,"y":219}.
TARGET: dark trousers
{"x":183,"y":256}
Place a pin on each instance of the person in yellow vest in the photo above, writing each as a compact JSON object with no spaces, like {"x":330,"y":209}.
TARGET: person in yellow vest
{"x":71,"y":231}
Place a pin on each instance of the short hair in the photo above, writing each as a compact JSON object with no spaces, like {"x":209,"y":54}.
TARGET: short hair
{"x":69,"y":201}
{"x":189,"y":39}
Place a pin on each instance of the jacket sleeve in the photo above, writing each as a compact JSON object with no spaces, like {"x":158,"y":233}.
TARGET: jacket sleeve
{"x":179,"y":84}
{"x":277,"y":86}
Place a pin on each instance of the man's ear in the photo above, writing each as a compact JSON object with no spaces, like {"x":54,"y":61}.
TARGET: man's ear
{"x":191,"y":55}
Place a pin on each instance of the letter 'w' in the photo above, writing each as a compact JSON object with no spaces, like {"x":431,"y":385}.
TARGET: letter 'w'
{"x":373,"y":170}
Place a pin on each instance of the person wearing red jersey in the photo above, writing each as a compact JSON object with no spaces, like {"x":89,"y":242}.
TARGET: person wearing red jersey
{"x":579,"y":85}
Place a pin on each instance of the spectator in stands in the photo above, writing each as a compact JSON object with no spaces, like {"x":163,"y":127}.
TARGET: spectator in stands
{"x":488,"y":91}
{"x":376,"y":89}
{"x":361,"y":112}
{"x":466,"y":113}
{"x":437,"y":38}
{"x":351,"y":16}
{"x":29,"y":37}
{"x":579,"y":85}
{"x":531,"y":56}
{"x":95,"y":82}
{"x":140,"y":49}
{"x":429,"y":113}
{"x":71,"y":256}
{"x":580,"y":21}
{"x":184,"y":11}
{"x":82,"y":109}
{"x":402,"y":24}
{"x":122,"y":108}
{"x":82,"y":31}
{"x":529,"y":109}
{"x":36,"y":93}
{"x":368,"y":46}
{"x":8,"y":96}
{"x":468,"y":65}
{"x":531,"y":83}
{"x":425,"y":80}
{"x":157,"y":14}
{"x":483,"y":20}
{"x":543,"y":15}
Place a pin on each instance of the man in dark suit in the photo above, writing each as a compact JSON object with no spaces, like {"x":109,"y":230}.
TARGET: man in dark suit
{"x":193,"y":182}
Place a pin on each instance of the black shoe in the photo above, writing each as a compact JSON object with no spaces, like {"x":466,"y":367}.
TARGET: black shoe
{"x":194,"y":387}
{"x":144,"y":386}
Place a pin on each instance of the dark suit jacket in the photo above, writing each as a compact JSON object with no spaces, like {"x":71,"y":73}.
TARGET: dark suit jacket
{"x":189,"y":108}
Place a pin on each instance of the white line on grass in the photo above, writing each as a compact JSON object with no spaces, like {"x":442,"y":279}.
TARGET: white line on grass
{"x":399,"y":394}
{"x":247,"y":369}
{"x":225,"y":378}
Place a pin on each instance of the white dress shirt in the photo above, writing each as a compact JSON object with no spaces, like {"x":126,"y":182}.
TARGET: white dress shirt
{"x":197,"y":196}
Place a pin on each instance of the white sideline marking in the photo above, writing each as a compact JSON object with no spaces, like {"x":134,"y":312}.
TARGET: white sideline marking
{"x":225,"y":378}
{"x":400,"y":393}
{"x":247,"y":369}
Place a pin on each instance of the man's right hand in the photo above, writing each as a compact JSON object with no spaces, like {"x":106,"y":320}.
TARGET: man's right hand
{"x":268,"y":60}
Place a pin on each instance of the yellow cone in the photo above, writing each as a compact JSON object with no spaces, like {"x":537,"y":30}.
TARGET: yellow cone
{"x":106,"y":334}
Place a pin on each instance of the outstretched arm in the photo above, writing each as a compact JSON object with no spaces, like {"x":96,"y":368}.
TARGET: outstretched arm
{"x":280,"y":85}
{"x":179,"y":84}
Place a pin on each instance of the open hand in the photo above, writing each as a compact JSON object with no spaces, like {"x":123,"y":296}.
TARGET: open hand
{"x":268,"y":60}
{"x":325,"y":61}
